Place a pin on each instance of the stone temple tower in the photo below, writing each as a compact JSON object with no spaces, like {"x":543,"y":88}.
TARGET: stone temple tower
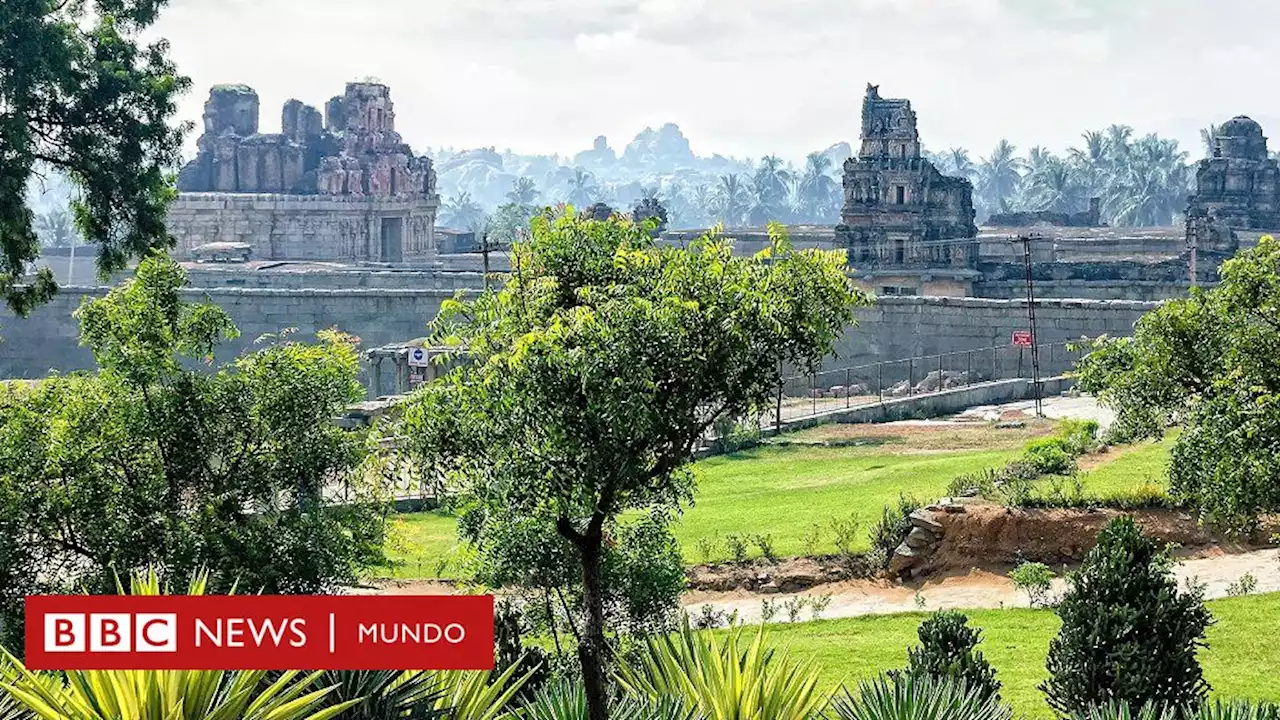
{"x":899,"y":211}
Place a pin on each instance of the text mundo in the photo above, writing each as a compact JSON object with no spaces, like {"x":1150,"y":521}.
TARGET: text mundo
{"x":262,"y":632}
{"x":157,"y":632}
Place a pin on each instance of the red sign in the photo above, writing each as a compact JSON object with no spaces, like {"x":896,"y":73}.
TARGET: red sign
{"x":1022,"y":338}
{"x":264,"y":632}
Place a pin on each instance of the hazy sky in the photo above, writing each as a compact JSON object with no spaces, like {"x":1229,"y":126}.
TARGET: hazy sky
{"x":745,"y":77}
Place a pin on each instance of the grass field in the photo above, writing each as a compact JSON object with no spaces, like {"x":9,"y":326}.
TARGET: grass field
{"x":1016,"y":642}
{"x":793,"y":492}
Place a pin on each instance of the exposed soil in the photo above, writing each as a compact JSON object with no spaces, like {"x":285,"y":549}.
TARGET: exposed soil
{"x":922,"y":436}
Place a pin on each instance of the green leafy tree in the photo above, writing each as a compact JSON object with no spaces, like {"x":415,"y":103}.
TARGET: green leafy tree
{"x":151,"y":461}
{"x":1128,"y":634}
{"x":81,"y":96}
{"x":594,"y":372}
{"x":1210,"y":361}
{"x":948,"y":651}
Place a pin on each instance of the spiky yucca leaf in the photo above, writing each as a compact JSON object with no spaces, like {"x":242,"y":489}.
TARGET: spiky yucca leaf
{"x":568,"y":701}
{"x":917,"y":698}
{"x":478,"y":695}
{"x":1216,"y":710}
{"x":731,"y":679}
{"x":385,"y":694}
{"x":167,"y":694}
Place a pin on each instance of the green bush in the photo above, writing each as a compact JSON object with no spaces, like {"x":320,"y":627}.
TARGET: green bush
{"x":892,"y":528}
{"x":948,"y":652}
{"x":1078,"y":436}
{"x":1128,"y":634}
{"x":1050,"y":456}
{"x":1035,"y":579}
{"x":912,"y":698}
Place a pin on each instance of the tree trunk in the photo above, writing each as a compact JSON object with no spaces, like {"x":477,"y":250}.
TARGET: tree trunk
{"x":592,"y":649}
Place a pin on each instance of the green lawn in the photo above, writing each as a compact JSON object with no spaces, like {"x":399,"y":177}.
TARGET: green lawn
{"x":1145,"y":464}
{"x":791,"y":491}
{"x":1238,"y":663}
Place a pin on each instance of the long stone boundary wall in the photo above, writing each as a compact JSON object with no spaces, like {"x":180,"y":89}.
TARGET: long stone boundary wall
{"x":894,"y":328}
{"x":49,"y":338}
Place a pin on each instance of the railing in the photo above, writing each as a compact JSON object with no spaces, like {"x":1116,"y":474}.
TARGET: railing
{"x":813,"y":394}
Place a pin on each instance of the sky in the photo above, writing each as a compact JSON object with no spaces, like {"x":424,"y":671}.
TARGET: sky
{"x":744,"y":77}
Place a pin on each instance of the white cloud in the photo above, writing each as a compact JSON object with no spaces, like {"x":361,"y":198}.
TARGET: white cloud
{"x":742,"y":77}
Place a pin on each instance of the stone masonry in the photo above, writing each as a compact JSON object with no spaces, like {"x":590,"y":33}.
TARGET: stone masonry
{"x":1237,"y":188}
{"x":343,"y":188}
{"x":899,"y":211}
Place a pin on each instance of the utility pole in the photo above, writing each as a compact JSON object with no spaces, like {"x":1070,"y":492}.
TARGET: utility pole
{"x":1031,"y":317}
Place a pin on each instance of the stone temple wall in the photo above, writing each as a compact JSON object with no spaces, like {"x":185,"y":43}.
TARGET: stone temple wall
{"x":307,"y":227}
{"x":49,"y":338}
{"x":896,"y":327}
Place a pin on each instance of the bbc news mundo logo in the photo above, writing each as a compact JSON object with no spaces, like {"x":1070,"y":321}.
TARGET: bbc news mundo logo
{"x":321,"y":632}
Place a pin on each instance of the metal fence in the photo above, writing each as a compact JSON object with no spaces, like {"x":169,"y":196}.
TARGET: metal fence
{"x":801,"y":396}
{"x":809,"y":395}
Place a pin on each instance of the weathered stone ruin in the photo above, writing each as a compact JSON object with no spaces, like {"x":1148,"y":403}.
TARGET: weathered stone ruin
{"x":1090,"y":218}
{"x":899,"y":212}
{"x":342,"y":187}
{"x":1237,"y":189}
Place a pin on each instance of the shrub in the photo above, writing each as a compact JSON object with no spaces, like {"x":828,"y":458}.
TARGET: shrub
{"x":1078,"y":436}
{"x":709,"y":617}
{"x":916,"y":698}
{"x":1127,"y":632}
{"x":737,"y":547}
{"x":765,"y":543}
{"x":1035,"y":579}
{"x":794,"y":606}
{"x":980,"y":484}
{"x":812,"y":537}
{"x":893,"y":526}
{"x":947,"y":652}
{"x":845,"y":530}
{"x":1049,"y":456}
{"x":818,"y":605}
{"x":1246,"y":585}
{"x":707,"y":549}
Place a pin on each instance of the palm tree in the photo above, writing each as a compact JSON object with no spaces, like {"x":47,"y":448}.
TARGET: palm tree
{"x":461,"y":212}
{"x":999,"y":175}
{"x":582,"y":189}
{"x":1150,"y":186}
{"x":960,"y":164}
{"x":769,"y":188}
{"x":1091,"y":164}
{"x":524,"y":191}
{"x":1054,"y":187}
{"x":731,"y":199}
{"x":817,"y":194}
{"x":1209,"y":137}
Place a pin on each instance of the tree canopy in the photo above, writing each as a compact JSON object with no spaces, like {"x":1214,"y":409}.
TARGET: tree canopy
{"x":81,"y":97}
{"x":154,"y":462}
{"x":1212,"y":362}
{"x":595,"y":370}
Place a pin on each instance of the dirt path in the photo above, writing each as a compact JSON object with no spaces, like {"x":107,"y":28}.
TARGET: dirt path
{"x":977,"y":589}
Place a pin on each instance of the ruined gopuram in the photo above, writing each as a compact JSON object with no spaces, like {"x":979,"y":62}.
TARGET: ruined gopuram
{"x":1237,"y":189}
{"x":344,"y":188}
{"x":906,"y":225}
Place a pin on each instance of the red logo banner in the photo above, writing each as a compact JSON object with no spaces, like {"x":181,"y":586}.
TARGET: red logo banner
{"x":263,"y":632}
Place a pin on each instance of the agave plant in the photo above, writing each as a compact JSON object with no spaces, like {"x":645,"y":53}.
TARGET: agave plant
{"x":385,"y":694}
{"x":733,"y":679}
{"x":568,"y":701}
{"x":478,"y":695}
{"x":923,"y":697}
{"x":1217,"y":710}
{"x":165,"y":694}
